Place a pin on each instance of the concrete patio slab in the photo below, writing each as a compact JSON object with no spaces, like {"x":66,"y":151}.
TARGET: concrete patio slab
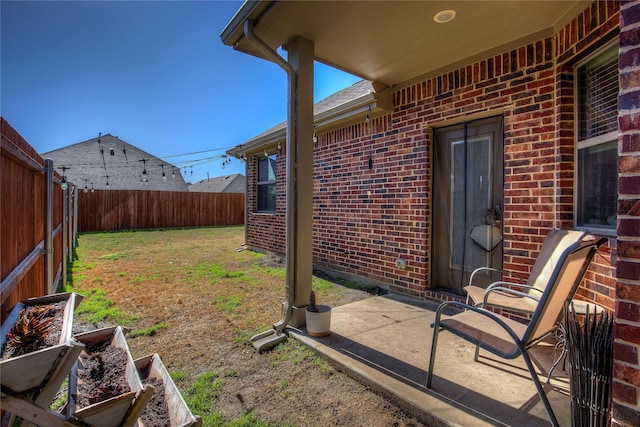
{"x":385,"y":342}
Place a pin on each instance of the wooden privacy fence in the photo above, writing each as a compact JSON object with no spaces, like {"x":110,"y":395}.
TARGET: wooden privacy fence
{"x":37,"y":228}
{"x":104,"y":210}
{"x":41,"y":215}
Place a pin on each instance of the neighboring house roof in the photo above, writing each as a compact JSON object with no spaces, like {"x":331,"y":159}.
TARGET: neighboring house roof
{"x":358,"y":99}
{"x":107,"y":158}
{"x":234,"y":183}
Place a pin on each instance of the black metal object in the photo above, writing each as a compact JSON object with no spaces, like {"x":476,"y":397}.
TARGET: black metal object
{"x":590,"y":357}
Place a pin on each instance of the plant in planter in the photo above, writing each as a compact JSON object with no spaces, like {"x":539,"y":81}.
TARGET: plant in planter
{"x":37,"y":353}
{"x":32,"y":327}
{"x":36,"y":342}
{"x":318,"y":318}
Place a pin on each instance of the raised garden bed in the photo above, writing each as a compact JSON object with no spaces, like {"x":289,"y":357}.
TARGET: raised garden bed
{"x":104,"y":388}
{"x":37,"y":345}
{"x":166,"y":407}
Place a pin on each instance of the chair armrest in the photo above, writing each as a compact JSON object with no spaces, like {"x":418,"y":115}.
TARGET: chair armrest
{"x":495,"y":317}
{"x":507,"y":290}
{"x":503,"y":284}
{"x":479,"y":269}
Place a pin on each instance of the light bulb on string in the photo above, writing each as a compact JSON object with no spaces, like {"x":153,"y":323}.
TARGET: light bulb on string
{"x":164,"y":177}
{"x":145,"y":178}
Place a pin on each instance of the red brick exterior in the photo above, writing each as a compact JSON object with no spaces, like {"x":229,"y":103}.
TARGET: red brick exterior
{"x":367,"y":217}
{"x":626,"y":388}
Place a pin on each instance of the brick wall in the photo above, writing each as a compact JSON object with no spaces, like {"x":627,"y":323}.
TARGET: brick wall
{"x":626,"y":388}
{"x":372,"y":179}
{"x":367,"y":217}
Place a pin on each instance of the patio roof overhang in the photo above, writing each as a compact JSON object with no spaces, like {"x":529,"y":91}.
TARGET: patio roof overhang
{"x":388,"y":43}
{"x":394,"y":42}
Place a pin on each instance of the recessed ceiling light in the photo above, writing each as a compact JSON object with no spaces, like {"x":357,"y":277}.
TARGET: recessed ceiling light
{"x":444,"y":16}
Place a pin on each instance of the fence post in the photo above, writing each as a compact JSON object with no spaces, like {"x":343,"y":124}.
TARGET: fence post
{"x":70,"y":215}
{"x":48,"y":229}
{"x":65,"y":236}
{"x":74,"y":232}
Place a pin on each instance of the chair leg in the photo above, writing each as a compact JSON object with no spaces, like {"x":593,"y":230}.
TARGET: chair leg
{"x":432,"y":357}
{"x":538,"y":384}
{"x":476,"y":353}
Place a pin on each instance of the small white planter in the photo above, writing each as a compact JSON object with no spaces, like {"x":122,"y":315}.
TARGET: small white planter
{"x":319,"y":323}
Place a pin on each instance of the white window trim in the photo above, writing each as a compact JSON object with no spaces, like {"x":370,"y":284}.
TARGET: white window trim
{"x":586,"y":143}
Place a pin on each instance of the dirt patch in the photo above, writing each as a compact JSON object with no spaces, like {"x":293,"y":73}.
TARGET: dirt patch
{"x":156,"y":413}
{"x":101,"y":374}
{"x":212,"y":298}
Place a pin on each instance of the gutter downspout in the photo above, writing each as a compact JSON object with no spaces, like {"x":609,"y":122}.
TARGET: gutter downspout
{"x":287,"y":306}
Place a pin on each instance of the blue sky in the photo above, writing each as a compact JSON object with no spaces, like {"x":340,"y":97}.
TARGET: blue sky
{"x":153,"y":73}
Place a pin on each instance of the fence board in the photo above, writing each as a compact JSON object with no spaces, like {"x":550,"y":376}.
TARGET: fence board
{"x":107,"y":210}
{"x":22,"y":229}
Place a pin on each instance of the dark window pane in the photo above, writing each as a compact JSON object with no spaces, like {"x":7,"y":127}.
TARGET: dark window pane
{"x":267,"y":198}
{"x":598,"y":183}
{"x":267,"y":183}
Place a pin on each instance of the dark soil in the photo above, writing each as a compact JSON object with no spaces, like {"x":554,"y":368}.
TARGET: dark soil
{"x":156,"y":413}
{"x":101,"y":374}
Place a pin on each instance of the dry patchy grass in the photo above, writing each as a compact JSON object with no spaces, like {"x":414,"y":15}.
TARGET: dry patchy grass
{"x":194,"y":298}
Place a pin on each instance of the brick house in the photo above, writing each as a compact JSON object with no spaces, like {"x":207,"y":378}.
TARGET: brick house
{"x":538,"y":133}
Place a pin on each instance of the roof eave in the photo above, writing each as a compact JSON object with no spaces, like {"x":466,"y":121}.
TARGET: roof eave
{"x":365,"y":104}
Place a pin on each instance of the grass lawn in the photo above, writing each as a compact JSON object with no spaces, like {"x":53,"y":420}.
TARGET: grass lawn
{"x":195,"y":299}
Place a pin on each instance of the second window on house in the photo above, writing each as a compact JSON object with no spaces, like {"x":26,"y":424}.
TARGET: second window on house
{"x":267,"y":183}
{"x":597,"y":129}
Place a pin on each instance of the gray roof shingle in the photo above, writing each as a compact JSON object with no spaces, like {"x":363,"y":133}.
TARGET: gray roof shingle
{"x":234,"y":183}
{"x":107,"y":158}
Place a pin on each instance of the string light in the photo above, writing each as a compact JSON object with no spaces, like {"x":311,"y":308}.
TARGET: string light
{"x":92,"y":190}
{"x":63,"y":183}
{"x":173,"y":172}
{"x":86,"y":187}
{"x":164,"y":177}
{"x":144,"y":170}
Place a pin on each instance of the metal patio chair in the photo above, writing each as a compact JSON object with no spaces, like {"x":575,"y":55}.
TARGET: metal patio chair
{"x":507,"y":338}
{"x":523,"y":297}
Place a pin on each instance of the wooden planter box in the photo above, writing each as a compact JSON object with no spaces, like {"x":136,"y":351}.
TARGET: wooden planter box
{"x":121,"y":410}
{"x":42,"y":370}
{"x":179,"y":413}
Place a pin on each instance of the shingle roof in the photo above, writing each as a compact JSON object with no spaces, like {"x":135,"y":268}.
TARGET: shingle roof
{"x":91,"y":162}
{"x":234,"y":183}
{"x":355,"y":91}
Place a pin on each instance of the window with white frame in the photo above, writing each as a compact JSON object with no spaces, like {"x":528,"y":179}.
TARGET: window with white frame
{"x":267,"y":183}
{"x":597,"y":130}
